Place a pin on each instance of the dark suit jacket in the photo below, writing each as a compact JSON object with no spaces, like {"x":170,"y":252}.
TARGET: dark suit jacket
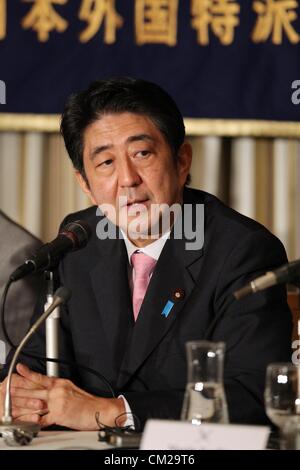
{"x":16,"y":245}
{"x":146,"y":360}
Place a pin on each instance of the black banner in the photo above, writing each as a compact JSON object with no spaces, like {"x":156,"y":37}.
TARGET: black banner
{"x":218,"y":58}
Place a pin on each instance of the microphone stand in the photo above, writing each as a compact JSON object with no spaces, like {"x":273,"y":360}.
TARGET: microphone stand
{"x":21,"y":432}
{"x":52,"y":329}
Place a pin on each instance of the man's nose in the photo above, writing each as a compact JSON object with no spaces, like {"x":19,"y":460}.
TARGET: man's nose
{"x":128,"y":175}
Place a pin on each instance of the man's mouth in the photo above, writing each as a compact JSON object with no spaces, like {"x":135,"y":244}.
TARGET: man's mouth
{"x":135,"y":206}
{"x":136,"y":202}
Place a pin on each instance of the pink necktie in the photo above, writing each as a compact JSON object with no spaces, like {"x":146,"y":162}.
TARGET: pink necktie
{"x":143,"y":266}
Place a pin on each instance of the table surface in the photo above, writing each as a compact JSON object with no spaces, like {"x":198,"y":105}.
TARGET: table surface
{"x":61,"y":440}
{"x":84,"y":440}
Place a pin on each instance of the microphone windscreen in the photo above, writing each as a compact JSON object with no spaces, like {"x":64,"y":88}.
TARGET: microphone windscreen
{"x":63,"y":293}
{"x":79,"y":232}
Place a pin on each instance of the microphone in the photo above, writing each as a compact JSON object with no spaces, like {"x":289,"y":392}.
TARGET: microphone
{"x":22,"y":432}
{"x":71,"y":237}
{"x":287,"y":273}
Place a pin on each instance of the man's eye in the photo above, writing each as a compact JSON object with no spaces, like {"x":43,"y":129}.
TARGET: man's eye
{"x":106,"y":163}
{"x":142,"y":153}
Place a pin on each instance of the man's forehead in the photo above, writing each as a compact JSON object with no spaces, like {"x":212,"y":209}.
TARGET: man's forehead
{"x":123,"y":122}
{"x":123,"y":128}
{"x":110,"y":121}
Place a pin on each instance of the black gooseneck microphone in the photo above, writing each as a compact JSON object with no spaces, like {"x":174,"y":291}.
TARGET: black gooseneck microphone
{"x":71,"y":237}
{"x":289,"y":272}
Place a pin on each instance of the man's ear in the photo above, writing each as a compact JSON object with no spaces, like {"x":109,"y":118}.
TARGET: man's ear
{"x":184,"y":161}
{"x":84,"y":186}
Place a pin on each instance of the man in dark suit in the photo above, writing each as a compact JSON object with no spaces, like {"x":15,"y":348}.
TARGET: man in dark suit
{"x":136,"y":300}
{"x":16,"y":245}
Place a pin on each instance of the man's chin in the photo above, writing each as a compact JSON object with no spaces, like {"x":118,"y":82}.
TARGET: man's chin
{"x":139,"y":231}
{"x":150,"y":237}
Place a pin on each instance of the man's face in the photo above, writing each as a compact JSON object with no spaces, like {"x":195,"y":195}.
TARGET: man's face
{"x":129,"y":167}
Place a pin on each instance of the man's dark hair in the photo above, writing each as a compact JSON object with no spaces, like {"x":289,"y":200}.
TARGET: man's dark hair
{"x":119,"y":95}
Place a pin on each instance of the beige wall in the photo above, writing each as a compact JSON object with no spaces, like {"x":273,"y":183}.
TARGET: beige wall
{"x":258,"y":177}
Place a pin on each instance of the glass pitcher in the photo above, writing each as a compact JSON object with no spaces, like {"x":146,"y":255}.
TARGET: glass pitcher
{"x":204,"y":400}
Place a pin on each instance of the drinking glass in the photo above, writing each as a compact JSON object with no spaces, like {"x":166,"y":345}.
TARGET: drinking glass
{"x":290,"y":433}
{"x":282,"y":392}
{"x":204,"y":399}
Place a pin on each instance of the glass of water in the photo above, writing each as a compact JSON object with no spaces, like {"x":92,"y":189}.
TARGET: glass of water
{"x":204,"y":400}
{"x":282,"y":392}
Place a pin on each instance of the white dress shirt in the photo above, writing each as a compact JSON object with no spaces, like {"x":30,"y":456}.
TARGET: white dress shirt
{"x":154,"y":249}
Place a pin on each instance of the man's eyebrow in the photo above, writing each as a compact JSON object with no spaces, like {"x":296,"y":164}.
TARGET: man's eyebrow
{"x":99,"y":149}
{"x":135,"y":138}
{"x":132,"y":138}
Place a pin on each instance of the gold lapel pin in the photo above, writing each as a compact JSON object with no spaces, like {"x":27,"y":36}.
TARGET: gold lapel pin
{"x":178,"y":294}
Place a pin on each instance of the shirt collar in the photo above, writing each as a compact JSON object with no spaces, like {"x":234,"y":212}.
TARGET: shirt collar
{"x":154,"y":249}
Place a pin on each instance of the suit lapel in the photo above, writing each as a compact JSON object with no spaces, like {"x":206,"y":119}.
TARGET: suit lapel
{"x":109,"y":280}
{"x":177,"y":270}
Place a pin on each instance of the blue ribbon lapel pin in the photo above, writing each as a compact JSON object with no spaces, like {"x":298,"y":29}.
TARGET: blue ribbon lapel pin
{"x":178,"y":294}
{"x":167,"y":309}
